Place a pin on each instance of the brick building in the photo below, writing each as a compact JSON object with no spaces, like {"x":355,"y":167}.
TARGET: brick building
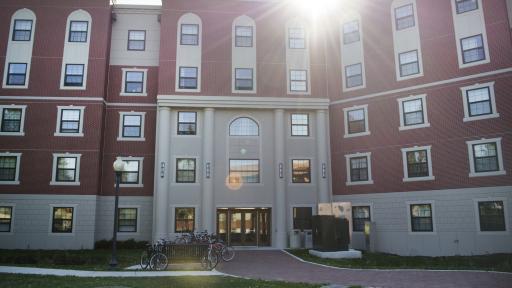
{"x":240,"y":116}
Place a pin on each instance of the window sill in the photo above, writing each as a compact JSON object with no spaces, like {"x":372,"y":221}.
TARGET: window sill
{"x":470,"y":64}
{"x":188,"y":90}
{"x":130,"y":185}
{"x":12,"y":133}
{"x":9,"y":182}
{"x":414,"y":179}
{"x":484,"y":174}
{"x":357,"y":134}
{"x":185,"y":183}
{"x":424,"y":125}
{"x":369,"y":182}
{"x":58,"y":134}
{"x":426,"y":233}
{"x":482,"y":117}
{"x":72,"y":88}
{"x":243,"y":91}
{"x":72,"y":234}
{"x":299,"y":93}
{"x":133,"y":94}
{"x":131,"y":139}
{"x":490,"y":233}
{"x":349,"y":89}
{"x":14,"y":86}
{"x":55,"y":183}
{"x":412,"y":76}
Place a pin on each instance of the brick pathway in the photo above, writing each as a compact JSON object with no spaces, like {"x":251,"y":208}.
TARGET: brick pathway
{"x":277,"y":265}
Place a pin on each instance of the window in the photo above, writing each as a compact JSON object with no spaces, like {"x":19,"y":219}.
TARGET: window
{"x":244,"y":171}
{"x":189,"y":34}
{"x":479,"y":102}
{"x":404,"y":17}
{"x":356,"y":121}
{"x":360,"y":215}
{"x":421,"y":218}
{"x":184,"y":219}
{"x":187,"y":123}
{"x":188,"y":78}
{"x":297,"y":38}
{"x":132,"y":173}
{"x":302,"y":218}
{"x":243,"y":36}
{"x":9,"y":168}
{"x":485,"y":158}
{"x":134,"y":82}
{"x":466,"y":5}
{"x":62,"y":220}
{"x":359,"y":168}
{"x":78,"y":31}
{"x":353,"y":75}
{"x":185,"y":170}
{"x":243,"y":127}
{"x":132,"y":126}
{"x":22,"y":30}
{"x":413,"y":112}
{"x":300,"y":124}
{"x":11,"y":121}
{"x":66,"y":169}
{"x":409,"y":64}
{"x":69,"y":121}
{"x":16,"y":74}
{"x":301,"y":171}
{"x":417,"y":164}
{"x":5,"y":219}
{"x":243,"y":79}
{"x":74,"y":75}
{"x":351,"y":32}
{"x":127,"y":220}
{"x":298,"y":81}
{"x":472,"y":49}
{"x":137,"y":40}
{"x":492,"y":216}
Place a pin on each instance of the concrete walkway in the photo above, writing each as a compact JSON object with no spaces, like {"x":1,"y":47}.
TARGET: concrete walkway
{"x":278,"y":265}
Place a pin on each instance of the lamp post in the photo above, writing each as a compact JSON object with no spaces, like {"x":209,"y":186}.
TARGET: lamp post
{"x":119,"y":166}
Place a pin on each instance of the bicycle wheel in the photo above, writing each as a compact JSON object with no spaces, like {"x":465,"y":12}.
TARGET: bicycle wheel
{"x":227,"y":253}
{"x":144,"y":260}
{"x":209,"y":261}
{"x":158,"y":262}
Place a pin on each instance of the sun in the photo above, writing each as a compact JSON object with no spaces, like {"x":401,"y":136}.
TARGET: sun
{"x":316,"y":8}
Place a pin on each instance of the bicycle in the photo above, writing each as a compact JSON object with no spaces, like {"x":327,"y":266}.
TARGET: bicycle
{"x":211,"y":259}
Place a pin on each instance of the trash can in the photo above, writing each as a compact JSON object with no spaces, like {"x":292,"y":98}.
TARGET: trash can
{"x":295,"y":239}
{"x":308,"y":239}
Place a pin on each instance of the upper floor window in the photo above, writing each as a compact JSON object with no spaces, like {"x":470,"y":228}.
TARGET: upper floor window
{"x":22,"y":30}
{"x":243,"y":127}
{"x":404,"y":17}
{"x":5,"y":219}
{"x":472,"y":49}
{"x":479,"y":102}
{"x":409,"y":63}
{"x":485,"y":157}
{"x":78,"y":31}
{"x":359,"y":169}
{"x":187,"y":123}
{"x":131,"y":126}
{"x":132,"y":173}
{"x":298,"y":80}
{"x":356,"y":121}
{"x":134,"y":82}
{"x":185,"y":170}
{"x":74,"y":75}
{"x":12,"y":118}
{"x":417,"y":163}
{"x":360,"y":215}
{"x":492,"y":216}
{"x":297,"y":38}
{"x":137,"y":40}
{"x":189,"y":34}
{"x":351,"y":32}
{"x":421,"y":218}
{"x":70,"y":120}
{"x":301,"y":171}
{"x":300,"y":124}
{"x":66,"y":169}
{"x":188,"y":78}
{"x":302,"y":218}
{"x":244,"y":171}
{"x":243,"y":79}
{"x":9,"y":168}
{"x":16,"y":74}
{"x":413,"y":112}
{"x":466,"y":5}
{"x":127,"y":220}
{"x":354,"y":75}
{"x":243,"y":36}
{"x":62,"y":220}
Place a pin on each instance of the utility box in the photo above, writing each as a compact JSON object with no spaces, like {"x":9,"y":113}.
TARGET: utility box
{"x":308,"y":239}
{"x":370,"y":236}
{"x":330,"y":233}
{"x":295,"y":239}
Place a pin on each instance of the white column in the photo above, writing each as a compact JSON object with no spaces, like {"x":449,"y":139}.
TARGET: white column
{"x":280,"y":182}
{"x":207,"y":212}
{"x":322,"y":147}
{"x":162,"y":163}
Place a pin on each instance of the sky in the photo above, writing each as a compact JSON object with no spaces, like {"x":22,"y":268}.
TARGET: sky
{"x":144,"y":2}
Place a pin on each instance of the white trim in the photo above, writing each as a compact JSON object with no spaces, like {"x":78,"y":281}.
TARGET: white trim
{"x":368,"y":156}
{"x":13,"y":208}
{"x":52,"y":98}
{"x":73,"y":228}
{"x":352,"y":53}
{"x":359,"y":204}
{"x":505,"y":215}
{"x":189,"y":55}
{"x":429,"y":159}
{"x":433,"y":213}
{"x":54,"y":182}
{"x":137,"y":228}
{"x":144,"y":82}
{"x":465,"y":89}
{"x":501,"y":169}
{"x":401,"y":113}
{"x":18,"y":163}
{"x":22,"y":121}
{"x":80,"y":125}
{"x":345,"y":117}
{"x":121,"y":125}
{"x":141,"y":165}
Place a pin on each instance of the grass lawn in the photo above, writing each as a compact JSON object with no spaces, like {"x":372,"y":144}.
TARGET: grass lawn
{"x":30,"y":281}
{"x":495,"y":262}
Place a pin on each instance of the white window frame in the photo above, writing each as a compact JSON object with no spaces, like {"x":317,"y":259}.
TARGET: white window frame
{"x":144,"y":82}
{"x":13,"y":209}
{"x":80,"y":125}
{"x":18,"y":162}
{"x":433,"y":212}
{"x":121,"y":124}
{"x":50,"y":226}
{"x":345,"y":116}
{"x":425,"y":123}
{"x":290,"y":170}
{"x":368,"y":156}
{"x":198,"y":169}
{"x":465,"y":89}
{"x":54,"y":181}
{"x":141,"y":166}
{"x":505,"y":215}
{"x":430,"y":176}
{"x":22,"y":123}
{"x":471,"y":158}
{"x":359,"y":204}
{"x":137,"y":228}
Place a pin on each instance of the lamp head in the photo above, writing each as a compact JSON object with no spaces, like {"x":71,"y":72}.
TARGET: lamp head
{"x":119,"y":165}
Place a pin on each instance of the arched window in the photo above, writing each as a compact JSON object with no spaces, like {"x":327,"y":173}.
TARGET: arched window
{"x":243,"y":127}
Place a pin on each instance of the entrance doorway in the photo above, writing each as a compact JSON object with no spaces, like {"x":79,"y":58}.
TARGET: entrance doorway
{"x":244,"y":226}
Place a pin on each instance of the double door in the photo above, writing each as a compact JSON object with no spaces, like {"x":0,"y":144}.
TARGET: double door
{"x":244,"y":227}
